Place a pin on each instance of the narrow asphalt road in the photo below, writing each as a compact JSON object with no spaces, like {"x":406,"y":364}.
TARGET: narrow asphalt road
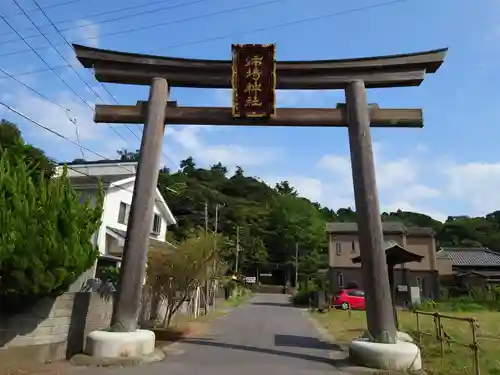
{"x":265,"y":336}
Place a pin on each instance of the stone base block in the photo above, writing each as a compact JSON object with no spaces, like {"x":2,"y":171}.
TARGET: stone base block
{"x":401,"y":356}
{"x":105,"y":344}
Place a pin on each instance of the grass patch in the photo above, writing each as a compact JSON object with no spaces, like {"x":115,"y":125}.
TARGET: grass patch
{"x":347,"y":325}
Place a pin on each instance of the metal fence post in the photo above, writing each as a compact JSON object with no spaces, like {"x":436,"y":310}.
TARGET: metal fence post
{"x":441,"y":334}
{"x":419,"y":336}
{"x":474,"y":346}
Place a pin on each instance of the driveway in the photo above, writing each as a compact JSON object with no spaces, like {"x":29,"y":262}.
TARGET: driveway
{"x":265,"y":336}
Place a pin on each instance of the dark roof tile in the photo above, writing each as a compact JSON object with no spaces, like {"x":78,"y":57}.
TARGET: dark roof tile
{"x":474,"y":256}
{"x":388,"y":227}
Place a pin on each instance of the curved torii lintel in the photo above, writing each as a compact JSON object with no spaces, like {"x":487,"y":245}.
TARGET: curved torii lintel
{"x":383,"y":71}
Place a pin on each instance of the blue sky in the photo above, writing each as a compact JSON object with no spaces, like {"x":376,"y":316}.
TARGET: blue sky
{"x":447,"y":168}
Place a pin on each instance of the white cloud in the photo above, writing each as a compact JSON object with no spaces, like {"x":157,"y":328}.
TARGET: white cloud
{"x":400,"y":181}
{"x":421,"y":182}
{"x":58,"y":118}
{"x":477,"y":183}
{"x":97,"y":137}
{"x":228,"y":154}
{"x":310,"y":188}
{"x":405,"y":206}
{"x":336,"y":163}
{"x":85,"y":29}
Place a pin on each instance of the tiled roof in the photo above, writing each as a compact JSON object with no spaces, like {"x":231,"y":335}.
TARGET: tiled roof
{"x":420,"y":231}
{"x":353,"y":227}
{"x":387,"y":226}
{"x":474,"y":256}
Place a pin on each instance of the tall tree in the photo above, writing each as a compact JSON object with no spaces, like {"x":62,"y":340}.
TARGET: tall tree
{"x":45,"y":241}
{"x":11,"y":139}
{"x":126,"y":155}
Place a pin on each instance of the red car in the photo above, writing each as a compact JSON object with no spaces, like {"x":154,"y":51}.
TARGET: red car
{"x":349,"y":299}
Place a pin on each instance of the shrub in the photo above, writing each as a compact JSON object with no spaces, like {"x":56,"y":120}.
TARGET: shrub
{"x":45,"y":240}
{"x":301,"y":298}
{"x":110,"y":274}
{"x":305,"y":292}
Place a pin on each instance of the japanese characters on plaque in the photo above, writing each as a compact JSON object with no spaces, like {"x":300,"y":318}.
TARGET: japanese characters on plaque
{"x":254,"y":80}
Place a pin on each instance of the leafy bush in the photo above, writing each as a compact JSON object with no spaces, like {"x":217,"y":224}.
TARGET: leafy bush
{"x":174,"y":274}
{"x":301,"y":298}
{"x":110,"y":274}
{"x":45,"y":240}
{"x":305,"y":292}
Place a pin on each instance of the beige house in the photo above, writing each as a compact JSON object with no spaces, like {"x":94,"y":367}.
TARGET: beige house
{"x":344,"y":246}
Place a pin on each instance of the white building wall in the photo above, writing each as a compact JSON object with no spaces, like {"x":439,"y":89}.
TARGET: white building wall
{"x":114,"y":197}
{"x":111,"y":208}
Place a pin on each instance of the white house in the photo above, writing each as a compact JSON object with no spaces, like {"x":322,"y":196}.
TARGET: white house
{"x":118,"y":179}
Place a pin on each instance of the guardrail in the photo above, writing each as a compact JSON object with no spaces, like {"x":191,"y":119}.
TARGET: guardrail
{"x":445,"y":338}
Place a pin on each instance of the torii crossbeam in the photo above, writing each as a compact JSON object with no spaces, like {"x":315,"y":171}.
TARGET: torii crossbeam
{"x":351,"y":75}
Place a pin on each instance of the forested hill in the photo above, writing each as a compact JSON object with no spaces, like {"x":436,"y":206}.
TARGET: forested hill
{"x":271,"y":220}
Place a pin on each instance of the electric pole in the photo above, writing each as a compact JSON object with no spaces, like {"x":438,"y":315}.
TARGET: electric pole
{"x":237,"y":248}
{"x":206,"y":219}
{"x":296,"y":264}
{"x":216,"y":226}
{"x":205,"y":245}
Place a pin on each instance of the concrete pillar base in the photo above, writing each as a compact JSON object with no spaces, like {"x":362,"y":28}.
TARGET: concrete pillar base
{"x":400,"y":336}
{"x":106,"y":344}
{"x":401,"y":356}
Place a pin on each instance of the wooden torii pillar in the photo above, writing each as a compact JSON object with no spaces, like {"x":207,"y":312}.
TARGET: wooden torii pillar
{"x":352,"y":75}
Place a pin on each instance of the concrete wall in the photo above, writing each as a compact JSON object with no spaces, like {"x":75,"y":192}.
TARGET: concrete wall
{"x":54,"y":329}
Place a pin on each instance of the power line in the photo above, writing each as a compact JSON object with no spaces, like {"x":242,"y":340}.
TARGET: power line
{"x":69,"y":140}
{"x":52,"y":6}
{"x":57,"y":74}
{"x":30,"y":72}
{"x":286,"y":24}
{"x":113,"y":19}
{"x":290,"y":23}
{"x":67,"y":110}
{"x":54,"y":132}
{"x":90,"y":87}
{"x":33,"y":90}
{"x":136,"y":14}
{"x":84,"y":16}
{"x":62,"y":56}
{"x":42,"y":59}
{"x":74,"y":121}
{"x":231,"y":10}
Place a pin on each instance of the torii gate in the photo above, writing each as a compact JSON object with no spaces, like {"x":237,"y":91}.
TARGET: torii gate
{"x":351,"y":75}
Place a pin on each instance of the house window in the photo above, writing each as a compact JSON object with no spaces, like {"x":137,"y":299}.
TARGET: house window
{"x":156,"y":224}
{"x":123,"y":213}
{"x":353,"y":247}
{"x":340,"y":279}
{"x":339,"y":248}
